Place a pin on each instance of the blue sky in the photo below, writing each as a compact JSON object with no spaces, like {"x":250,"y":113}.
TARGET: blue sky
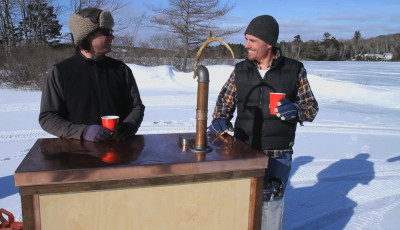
{"x":308,"y":18}
{"x":312,"y":18}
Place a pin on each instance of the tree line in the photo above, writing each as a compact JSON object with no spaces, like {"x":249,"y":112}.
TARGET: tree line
{"x":381,"y":48}
{"x":31,"y":39}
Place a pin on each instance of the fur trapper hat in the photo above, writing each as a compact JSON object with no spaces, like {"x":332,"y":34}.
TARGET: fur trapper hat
{"x":264,"y":27}
{"x":87,"y":21}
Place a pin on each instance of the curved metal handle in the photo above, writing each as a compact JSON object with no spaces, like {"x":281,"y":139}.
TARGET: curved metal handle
{"x":208,"y":41}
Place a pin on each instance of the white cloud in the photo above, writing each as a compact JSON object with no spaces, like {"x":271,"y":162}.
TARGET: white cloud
{"x":350,"y":17}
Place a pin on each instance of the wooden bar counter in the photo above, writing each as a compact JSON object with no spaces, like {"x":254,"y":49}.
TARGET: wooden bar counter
{"x":149,"y":182}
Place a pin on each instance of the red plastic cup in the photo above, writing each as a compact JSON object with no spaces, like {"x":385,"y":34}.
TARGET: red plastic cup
{"x":273,"y":101}
{"x":111,"y":157}
{"x":110,"y":122}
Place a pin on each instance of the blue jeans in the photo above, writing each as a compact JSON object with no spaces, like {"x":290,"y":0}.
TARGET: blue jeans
{"x":278,"y":168}
{"x":272,"y":210}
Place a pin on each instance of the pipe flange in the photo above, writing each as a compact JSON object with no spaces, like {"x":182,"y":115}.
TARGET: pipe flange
{"x":200,"y":149}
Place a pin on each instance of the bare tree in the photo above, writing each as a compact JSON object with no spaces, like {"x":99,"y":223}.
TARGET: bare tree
{"x":113,"y":6}
{"x":164,"y":41}
{"x":128,"y":40}
{"x":110,"y":5}
{"x":192,"y":20}
{"x":8,"y":10}
{"x":77,"y":5}
{"x":167,"y":49}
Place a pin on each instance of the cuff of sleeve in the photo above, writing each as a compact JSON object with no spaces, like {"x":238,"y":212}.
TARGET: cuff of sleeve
{"x":300,"y":116}
{"x":134,"y":128}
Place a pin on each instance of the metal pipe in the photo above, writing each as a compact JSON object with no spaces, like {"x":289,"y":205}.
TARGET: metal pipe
{"x":201,"y":111}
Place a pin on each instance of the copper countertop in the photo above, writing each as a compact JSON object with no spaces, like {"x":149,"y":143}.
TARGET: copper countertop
{"x":58,"y":160}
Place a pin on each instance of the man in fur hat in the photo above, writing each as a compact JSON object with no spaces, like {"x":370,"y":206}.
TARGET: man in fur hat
{"x":81,"y":89}
{"x":266,"y":70}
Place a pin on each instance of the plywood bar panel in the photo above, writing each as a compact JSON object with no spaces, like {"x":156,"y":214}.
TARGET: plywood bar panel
{"x":209,"y":205}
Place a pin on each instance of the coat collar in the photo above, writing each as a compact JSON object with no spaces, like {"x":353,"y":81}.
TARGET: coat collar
{"x":275,"y":63}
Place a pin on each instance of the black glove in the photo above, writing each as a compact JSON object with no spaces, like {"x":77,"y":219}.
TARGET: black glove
{"x":124,"y":131}
{"x":96,"y":133}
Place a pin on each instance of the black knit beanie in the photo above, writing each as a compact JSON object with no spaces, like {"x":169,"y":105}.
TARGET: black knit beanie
{"x":264,"y":27}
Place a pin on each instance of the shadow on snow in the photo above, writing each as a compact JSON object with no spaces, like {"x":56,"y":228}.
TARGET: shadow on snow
{"x":393,"y":159}
{"x":7,"y":186}
{"x":325,"y":205}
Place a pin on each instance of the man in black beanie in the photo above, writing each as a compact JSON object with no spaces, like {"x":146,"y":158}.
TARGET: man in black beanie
{"x":81,"y":89}
{"x":265,"y":71}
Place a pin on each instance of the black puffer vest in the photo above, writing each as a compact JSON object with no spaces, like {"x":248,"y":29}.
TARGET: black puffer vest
{"x":254,"y":123}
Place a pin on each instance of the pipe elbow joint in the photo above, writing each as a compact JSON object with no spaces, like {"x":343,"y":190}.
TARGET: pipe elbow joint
{"x":202,"y":74}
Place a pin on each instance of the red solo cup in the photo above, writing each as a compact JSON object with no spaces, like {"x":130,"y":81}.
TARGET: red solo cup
{"x":110,"y":122}
{"x":273,"y":101}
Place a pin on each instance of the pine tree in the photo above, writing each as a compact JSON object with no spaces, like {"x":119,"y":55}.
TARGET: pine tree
{"x":39,"y":24}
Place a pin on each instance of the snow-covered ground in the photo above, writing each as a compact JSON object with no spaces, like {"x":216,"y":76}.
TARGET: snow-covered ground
{"x":346,"y":164}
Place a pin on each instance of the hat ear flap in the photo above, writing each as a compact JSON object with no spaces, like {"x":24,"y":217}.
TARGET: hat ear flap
{"x":80,"y":27}
{"x":106,"y":20}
